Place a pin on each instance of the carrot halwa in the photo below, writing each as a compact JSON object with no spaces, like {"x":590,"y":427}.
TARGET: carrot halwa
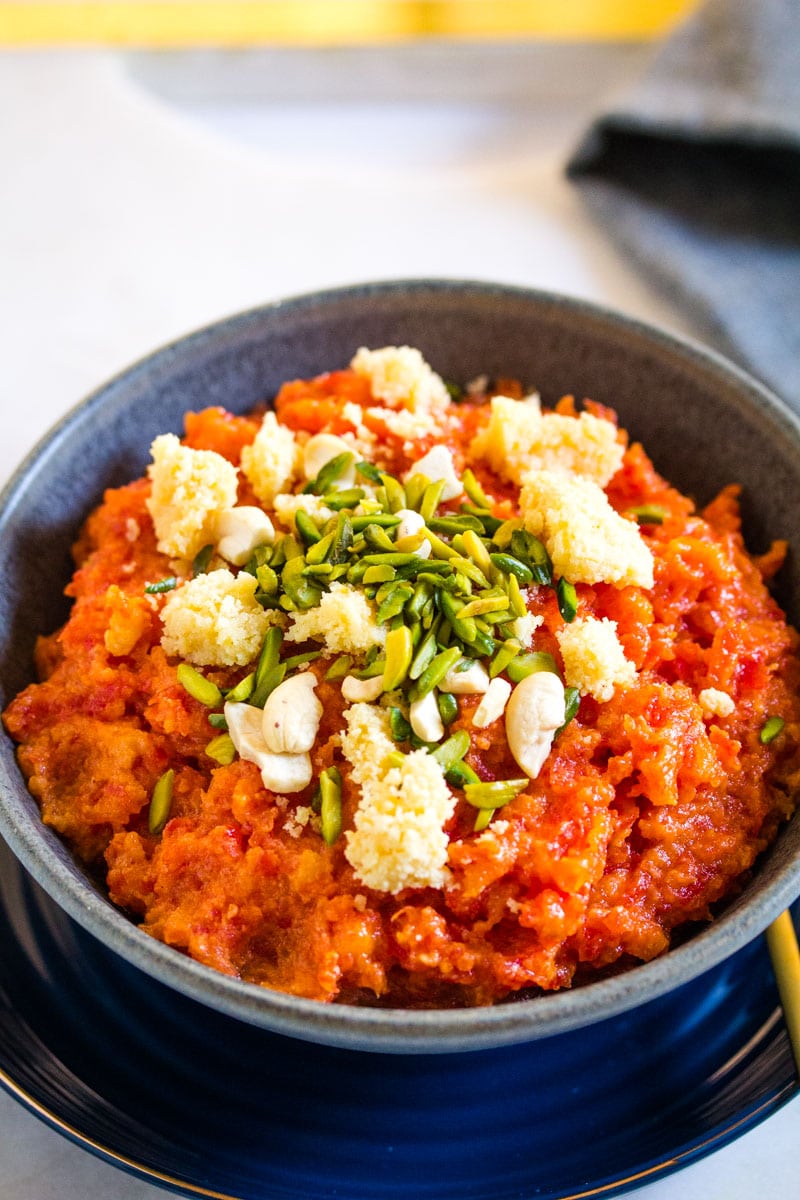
{"x":398,"y":694}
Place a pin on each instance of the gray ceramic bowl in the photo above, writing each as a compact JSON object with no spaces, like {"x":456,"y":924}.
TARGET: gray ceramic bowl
{"x":704,"y":422}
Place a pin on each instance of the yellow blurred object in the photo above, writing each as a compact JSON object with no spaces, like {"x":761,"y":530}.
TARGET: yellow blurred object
{"x":185,"y":23}
{"x":785,"y":955}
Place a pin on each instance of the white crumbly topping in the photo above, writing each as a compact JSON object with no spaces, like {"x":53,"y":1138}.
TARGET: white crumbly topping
{"x":520,"y":438}
{"x":524,"y":628}
{"x":215,"y":620}
{"x":506,"y":439}
{"x":716,"y":703}
{"x":270,"y":462}
{"x":410,"y":426}
{"x":361,"y":439}
{"x":594,"y":661}
{"x":287,"y":506}
{"x":344,"y":620}
{"x":588,"y":541}
{"x":399,"y":839}
{"x":296,"y":820}
{"x":189,"y":488}
{"x":400,"y":377}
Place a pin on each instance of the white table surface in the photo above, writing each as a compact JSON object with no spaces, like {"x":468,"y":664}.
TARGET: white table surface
{"x":143,"y":198}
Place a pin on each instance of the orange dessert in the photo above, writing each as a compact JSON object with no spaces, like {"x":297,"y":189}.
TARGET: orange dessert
{"x":390,"y":695}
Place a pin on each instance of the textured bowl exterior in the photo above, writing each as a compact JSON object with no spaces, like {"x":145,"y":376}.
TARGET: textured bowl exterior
{"x":703,"y":421}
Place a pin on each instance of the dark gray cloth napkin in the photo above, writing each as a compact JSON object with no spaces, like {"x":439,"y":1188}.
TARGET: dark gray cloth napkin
{"x":696,"y":173}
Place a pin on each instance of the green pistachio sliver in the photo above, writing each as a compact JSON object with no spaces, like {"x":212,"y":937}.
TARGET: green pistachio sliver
{"x":489,"y":523}
{"x":330,"y":785}
{"x":507,"y":652}
{"x":533,"y":552}
{"x":494,"y":794}
{"x":426,"y":652}
{"x":416,"y":603}
{"x":161,"y":585}
{"x":266,"y":686}
{"x":222,"y":749}
{"x":455,"y":524}
{"x":217,"y":721}
{"x":483,"y":818}
{"x":161,"y":802}
{"x":529,"y":664}
{"x":243,"y":689}
{"x":512,"y":566}
{"x":498,"y":617}
{"x":371,"y":669}
{"x":317,"y":552}
{"x":464,"y":628}
{"x":339,"y":667}
{"x":356,"y":572}
{"x":483,"y":644}
{"x":452,"y":751}
{"x":399,"y":652}
{"x":477,"y":551}
{"x":415,"y":489}
{"x":448,"y":707}
{"x":343,"y":539}
{"x":430,"y":500}
{"x":268,"y":599}
{"x":393,"y":600}
{"x":398,"y":725}
{"x":567,"y":599}
{"x":435,"y":671}
{"x":384,"y":520}
{"x":289,"y":548}
{"x":299,"y":589}
{"x":460,"y":774}
{"x":261,"y":556}
{"x":270,"y":652}
{"x":201,"y":560}
{"x":572,"y":702}
{"x":374,"y":575}
{"x":300,"y":660}
{"x":469,"y":568}
{"x":395,"y":493}
{"x":346,"y":498}
{"x":308,"y":531}
{"x":441,"y":551}
{"x":515,"y":598}
{"x":770,"y":730}
{"x":318,"y":571}
{"x":502,"y":536}
{"x":474,"y":490}
{"x":369,"y":471}
{"x":267,"y":580}
{"x":484,"y":604}
{"x":463,"y":584}
{"x":395,"y":558}
{"x":198,"y":687}
{"x":377,"y":537}
{"x":370,"y":506}
{"x":333,"y":470}
{"x":649,"y":514}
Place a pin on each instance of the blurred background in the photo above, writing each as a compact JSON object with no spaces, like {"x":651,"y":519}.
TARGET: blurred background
{"x":166,"y":164}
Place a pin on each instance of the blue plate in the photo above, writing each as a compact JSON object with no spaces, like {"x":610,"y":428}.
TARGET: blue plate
{"x":206,"y":1105}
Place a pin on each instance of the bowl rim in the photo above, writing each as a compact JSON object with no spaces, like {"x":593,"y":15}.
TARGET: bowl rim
{"x":374,"y":1028}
